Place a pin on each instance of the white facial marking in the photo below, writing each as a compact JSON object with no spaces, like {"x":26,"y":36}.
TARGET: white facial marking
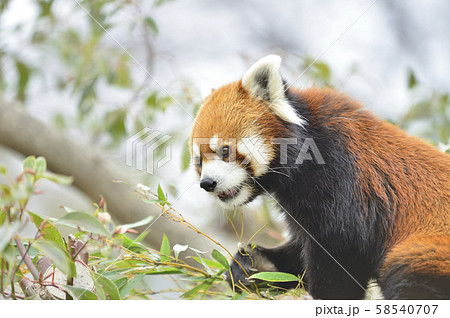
{"x":213,"y":143}
{"x":228,"y":175}
{"x":237,"y":201}
{"x":255,"y":150}
{"x":196,"y":150}
{"x":263,"y":80}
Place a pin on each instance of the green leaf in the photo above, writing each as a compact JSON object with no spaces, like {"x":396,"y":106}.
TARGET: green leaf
{"x":41,"y":167}
{"x":164,"y":271}
{"x":106,"y":285}
{"x":86,"y":221}
{"x":412,"y":81}
{"x":323,"y":70}
{"x":200,"y":287}
{"x":207,"y":262}
{"x":160,"y":2}
{"x":155,"y":102}
{"x":150,"y":22}
{"x":142,"y":222}
{"x":128,"y":263}
{"x":49,"y":231}
{"x":185,"y":156}
{"x":80,"y":293}
{"x":131,"y":244}
{"x":115,"y":123}
{"x":165,"y":249}
{"x":3,"y":5}
{"x":7,"y":198}
{"x":143,"y":235}
{"x":68,"y":210}
{"x":87,"y":98}
{"x":151,"y":100}
{"x":60,"y":121}
{"x":120,"y":282}
{"x":125,"y":290}
{"x":24,"y":72}
{"x":120,"y":75}
{"x":99,"y":290}
{"x":220,"y":258}
{"x":38,"y":37}
{"x":275,"y":277}
{"x":10,"y":254}
{"x":29,"y":164}
{"x":161,"y":196}
{"x":58,"y":178}
{"x":7,"y":232}
{"x":58,"y":256}
{"x":45,"y":8}
{"x":196,"y":109}
{"x":2,"y":216}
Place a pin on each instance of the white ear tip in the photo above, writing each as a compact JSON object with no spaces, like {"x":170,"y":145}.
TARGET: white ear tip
{"x":273,"y":60}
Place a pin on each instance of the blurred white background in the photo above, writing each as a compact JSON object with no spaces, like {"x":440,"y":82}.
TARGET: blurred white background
{"x":369,"y":45}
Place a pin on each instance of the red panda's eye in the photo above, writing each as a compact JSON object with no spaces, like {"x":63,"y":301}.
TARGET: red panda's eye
{"x":225,"y":151}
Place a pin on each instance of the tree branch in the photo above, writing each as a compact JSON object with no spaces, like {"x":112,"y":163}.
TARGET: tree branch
{"x":26,"y":259}
{"x":93,"y":171}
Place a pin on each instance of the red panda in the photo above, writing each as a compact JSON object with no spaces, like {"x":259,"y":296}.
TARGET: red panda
{"x":362,"y":199}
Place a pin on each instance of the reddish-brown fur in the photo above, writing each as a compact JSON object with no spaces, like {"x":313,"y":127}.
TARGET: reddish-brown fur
{"x":411,"y":177}
{"x":422,"y":254}
{"x":239,"y":116}
{"x":417,"y":174}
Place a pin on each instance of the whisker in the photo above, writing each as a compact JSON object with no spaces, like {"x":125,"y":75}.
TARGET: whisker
{"x":274,"y":171}
{"x":282,"y":168}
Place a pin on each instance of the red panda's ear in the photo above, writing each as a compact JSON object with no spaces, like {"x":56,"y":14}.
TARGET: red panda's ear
{"x":263,"y":80}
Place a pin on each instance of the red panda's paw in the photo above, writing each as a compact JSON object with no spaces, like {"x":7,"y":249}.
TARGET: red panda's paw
{"x":247,"y":261}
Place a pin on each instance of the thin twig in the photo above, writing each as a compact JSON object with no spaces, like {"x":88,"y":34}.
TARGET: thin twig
{"x":232,"y":224}
{"x":82,"y":247}
{"x":176,"y":216}
{"x":24,"y":253}
{"x":251,"y":238}
{"x":6,"y":295}
{"x":2,"y":269}
{"x":25,"y":258}
{"x":13,"y":289}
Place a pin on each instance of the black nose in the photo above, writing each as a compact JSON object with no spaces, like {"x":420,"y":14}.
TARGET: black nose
{"x":208,"y":184}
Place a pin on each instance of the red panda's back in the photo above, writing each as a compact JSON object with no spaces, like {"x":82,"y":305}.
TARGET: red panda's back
{"x":411,"y":177}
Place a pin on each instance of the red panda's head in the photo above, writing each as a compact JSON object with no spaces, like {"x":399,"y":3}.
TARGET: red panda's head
{"x":232,"y":138}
